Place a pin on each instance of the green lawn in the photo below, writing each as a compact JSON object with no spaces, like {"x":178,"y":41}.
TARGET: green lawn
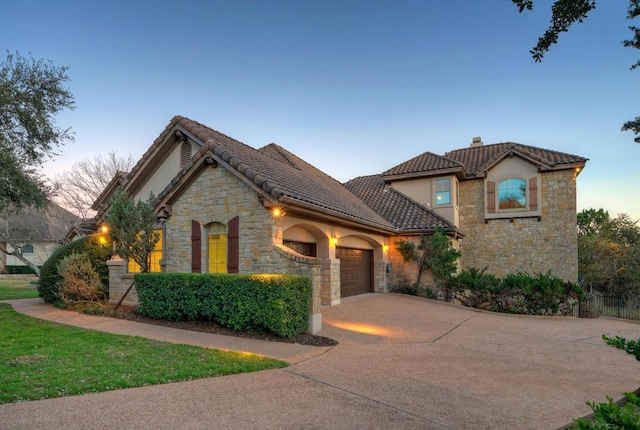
{"x":17,"y":288}
{"x":40,"y":359}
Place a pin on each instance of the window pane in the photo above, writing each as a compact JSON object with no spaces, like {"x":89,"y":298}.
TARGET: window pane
{"x":443,"y":195}
{"x":512,"y":194}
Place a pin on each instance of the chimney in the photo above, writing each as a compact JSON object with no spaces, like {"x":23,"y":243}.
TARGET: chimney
{"x":476,"y":141}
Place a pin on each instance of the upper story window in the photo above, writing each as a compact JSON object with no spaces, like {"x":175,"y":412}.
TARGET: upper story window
{"x":512,"y":194}
{"x":513,"y":190}
{"x":27,"y":249}
{"x":443,"y":191}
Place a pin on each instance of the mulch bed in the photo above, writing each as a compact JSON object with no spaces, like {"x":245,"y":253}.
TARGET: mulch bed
{"x":130,"y":314}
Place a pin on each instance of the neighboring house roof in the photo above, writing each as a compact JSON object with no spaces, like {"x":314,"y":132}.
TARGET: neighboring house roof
{"x":405,"y":213}
{"x":468,"y":163}
{"x":50,"y":224}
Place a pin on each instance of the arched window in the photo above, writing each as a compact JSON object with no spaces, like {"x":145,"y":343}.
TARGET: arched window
{"x":512,"y":194}
{"x":217,"y":248}
{"x":27,"y":249}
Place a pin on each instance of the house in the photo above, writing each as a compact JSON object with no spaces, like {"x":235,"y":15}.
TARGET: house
{"x":37,"y":232}
{"x":224,"y":206}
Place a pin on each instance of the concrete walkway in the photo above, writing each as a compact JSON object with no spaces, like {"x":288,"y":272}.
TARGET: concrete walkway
{"x":402,"y":363}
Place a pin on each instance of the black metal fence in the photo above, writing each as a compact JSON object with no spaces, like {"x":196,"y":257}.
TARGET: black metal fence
{"x":599,"y":305}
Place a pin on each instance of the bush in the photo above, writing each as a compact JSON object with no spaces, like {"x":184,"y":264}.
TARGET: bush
{"x":279,"y":303}
{"x":80,"y":281}
{"x":50,"y":280}
{"x":19,"y":270}
{"x":404,"y":287}
{"x":611,"y":415}
{"x":519,"y":293}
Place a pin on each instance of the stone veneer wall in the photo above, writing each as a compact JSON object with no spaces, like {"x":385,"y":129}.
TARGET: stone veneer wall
{"x":218,"y":196}
{"x":405,"y":271}
{"x":524,"y":244}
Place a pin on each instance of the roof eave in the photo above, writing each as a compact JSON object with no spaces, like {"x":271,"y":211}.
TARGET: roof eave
{"x":308,"y":209}
{"x":458,"y":171}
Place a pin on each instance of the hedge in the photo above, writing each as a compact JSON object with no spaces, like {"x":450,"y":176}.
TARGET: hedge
{"x":279,"y":303}
{"x":521,"y":293}
{"x":19,"y":270}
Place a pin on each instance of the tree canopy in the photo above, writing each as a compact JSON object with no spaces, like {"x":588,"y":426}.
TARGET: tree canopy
{"x":565,"y":13}
{"x":609,"y":252}
{"x":32,"y":93}
{"x":78,"y":188}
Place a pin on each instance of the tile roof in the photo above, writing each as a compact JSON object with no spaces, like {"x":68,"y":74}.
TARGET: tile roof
{"x":403,"y":212}
{"x":283,"y":175}
{"x":473,"y":161}
{"x":426,"y":162}
{"x":477,"y":159}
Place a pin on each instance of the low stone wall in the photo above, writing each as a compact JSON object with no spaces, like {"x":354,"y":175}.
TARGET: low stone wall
{"x":119,"y":282}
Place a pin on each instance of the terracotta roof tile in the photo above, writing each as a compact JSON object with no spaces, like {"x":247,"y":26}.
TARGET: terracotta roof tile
{"x":282,"y":174}
{"x":477,"y":159}
{"x":426,"y":162}
{"x":405,"y":213}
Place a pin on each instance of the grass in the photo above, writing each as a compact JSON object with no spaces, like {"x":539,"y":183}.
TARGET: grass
{"x":40,"y":359}
{"x":17,"y":288}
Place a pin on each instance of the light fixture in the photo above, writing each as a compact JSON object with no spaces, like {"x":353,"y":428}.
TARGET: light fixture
{"x":334,"y":240}
{"x":277,"y":212}
{"x":104,"y":228}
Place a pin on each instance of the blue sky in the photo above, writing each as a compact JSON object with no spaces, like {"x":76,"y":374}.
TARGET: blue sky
{"x":352,"y":87}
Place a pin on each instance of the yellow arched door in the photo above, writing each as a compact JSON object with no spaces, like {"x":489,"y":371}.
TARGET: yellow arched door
{"x":217,"y":253}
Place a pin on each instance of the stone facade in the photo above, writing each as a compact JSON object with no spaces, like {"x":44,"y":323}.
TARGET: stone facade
{"x":523,"y":244}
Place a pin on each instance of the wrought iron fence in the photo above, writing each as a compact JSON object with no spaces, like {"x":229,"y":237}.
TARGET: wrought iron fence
{"x":598,"y":305}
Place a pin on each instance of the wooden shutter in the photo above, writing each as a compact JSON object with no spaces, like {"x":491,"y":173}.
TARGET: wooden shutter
{"x":233,"y":245}
{"x":196,"y":247}
{"x":491,"y":197}
{"x":533,"y":194}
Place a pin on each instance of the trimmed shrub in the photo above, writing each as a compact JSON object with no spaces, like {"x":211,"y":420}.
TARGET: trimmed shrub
{"x":542,"y":294}
{"x":405,"y":287}
{"x":19,"y":270}
{"x":279,"y":303}
{"x":80,"y":281}
{"x":50,"y":280}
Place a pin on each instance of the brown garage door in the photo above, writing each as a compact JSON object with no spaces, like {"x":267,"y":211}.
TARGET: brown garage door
{"x":355,"y":271}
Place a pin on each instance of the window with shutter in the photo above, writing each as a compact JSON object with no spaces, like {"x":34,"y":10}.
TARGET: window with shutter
{"x":491,"y":197}
{"x":533,"y":194}
{"x":233,"y":245}
{"x":196,"y":247}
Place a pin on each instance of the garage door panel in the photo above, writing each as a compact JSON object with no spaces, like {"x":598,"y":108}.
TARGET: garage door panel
{"x":355,"y":271}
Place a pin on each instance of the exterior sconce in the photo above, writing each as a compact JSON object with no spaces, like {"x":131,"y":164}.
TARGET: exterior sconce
{"x":104,"y":229}
{"x":334,"y":240}
{"x":385,"y":247}
{"x":576,"y":172}
{"x":277,"y":212}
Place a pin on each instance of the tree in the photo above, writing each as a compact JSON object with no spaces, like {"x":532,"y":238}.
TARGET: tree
{"x":609,"y":252}
{"x":32,"y":92}
{"x":565,"y":13}
{"x":131,"y":225}
{"x":77,"y":189}
{"x":432,"y":253}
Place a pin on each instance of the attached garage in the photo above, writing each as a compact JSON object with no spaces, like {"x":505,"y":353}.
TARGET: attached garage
{"x":356,"y":268}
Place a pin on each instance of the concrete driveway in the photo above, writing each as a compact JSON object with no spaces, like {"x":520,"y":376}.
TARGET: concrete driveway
{"x":402,"y":363}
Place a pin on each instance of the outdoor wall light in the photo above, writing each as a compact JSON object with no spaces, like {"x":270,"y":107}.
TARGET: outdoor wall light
{"x":277,"y":212}
{"x":104,"y":228}
{"x":334,"y":240}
